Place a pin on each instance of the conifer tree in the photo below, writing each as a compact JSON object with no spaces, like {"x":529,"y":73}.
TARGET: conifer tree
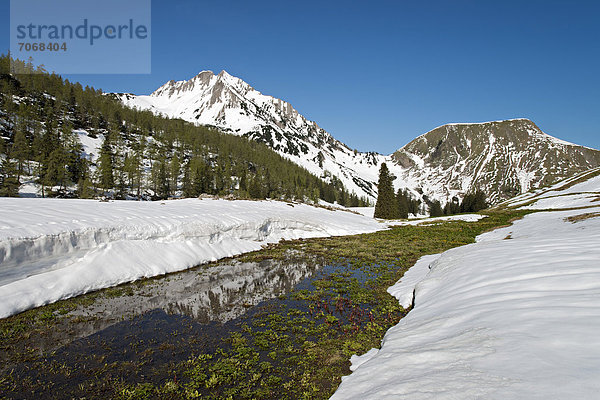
{"x":195,"y":178}
{"x":243,"y":182}
{"x":20,"y":150}
{"x":314,"y":195}
{"x":435,"y":209}
{"x":473,"y":202}
{"x":255,"y":189}
{"x":9,"y":184}
{"x":56,"y":173}
{"x":84,"y":185}
{"x":137,"y":165}
{"x":402,"y":199}
{"x":74,"y":153}
{"x":159,"y":179}
{"x":175,"y":170}
{"x":105,"y":165}
{"x":452,"y":206}
{"x":386,"y":206}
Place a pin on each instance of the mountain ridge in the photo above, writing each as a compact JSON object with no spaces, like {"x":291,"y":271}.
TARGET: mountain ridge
{"x":503,"y":158}
{"x":233,"y":106}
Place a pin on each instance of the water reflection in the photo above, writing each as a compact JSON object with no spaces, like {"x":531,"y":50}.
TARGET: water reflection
{"x":214,"y":293}
{"x":218,"y":293}
{"x":155,"y":324}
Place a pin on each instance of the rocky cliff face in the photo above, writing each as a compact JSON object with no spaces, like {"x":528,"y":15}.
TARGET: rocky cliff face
{"x":503,"y":158}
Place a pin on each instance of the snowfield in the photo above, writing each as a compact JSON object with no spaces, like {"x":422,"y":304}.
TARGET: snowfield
{"x":51,"y":249}
{"x":459,"y":217}
{"x":514,"y":316}
{"x":589,"y":184}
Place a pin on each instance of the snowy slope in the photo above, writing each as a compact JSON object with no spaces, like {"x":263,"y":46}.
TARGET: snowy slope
{"x":503,"y":157}
{"x":51,"y":249}
{"x":568,"y":192}
{"x":514,"y":316}
{"x":235,"y":107}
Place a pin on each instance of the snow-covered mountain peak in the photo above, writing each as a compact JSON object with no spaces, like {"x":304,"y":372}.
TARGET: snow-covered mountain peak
{"x":234,"y":106}
{"x":225,"y":75}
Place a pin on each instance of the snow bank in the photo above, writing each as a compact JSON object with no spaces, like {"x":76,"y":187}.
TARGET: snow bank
{"x":357,"y":361}
{"x":51,"y":249}
{"x":370,"y":211}
{"x":460,"y":217}
{"x":498,"y":319}
{"x":562,"y":202}
{"x":403,"y":290}
{"x":366,"y":211}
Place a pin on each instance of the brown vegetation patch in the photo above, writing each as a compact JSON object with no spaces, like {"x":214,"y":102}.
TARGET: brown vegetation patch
{"x":582,"y":217}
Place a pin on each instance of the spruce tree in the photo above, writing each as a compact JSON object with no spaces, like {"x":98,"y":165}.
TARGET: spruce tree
{"x":137,"y":165}
{"x":74,"y":153}
{"x":474,"y":201}
{"x":452,"y":207}
{"x":186,"y":183}
{"x":402,"y":199}
{"x":194,"y":180}
{"x":386,"y":206}
{"x":479,"y":202}
{"x":314,"y":195}
{"x":435,"y":209}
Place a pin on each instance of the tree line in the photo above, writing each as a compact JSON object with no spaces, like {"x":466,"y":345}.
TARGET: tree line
{"x":43,"y":116}
{"x":399,"y":204}
{"x":390,"y":204}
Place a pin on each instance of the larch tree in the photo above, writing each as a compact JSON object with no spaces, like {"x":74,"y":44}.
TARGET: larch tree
{"x":105,"y":165}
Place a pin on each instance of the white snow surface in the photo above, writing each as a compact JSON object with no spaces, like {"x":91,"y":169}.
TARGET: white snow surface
{"x":357,"y":361}
{"x":458,"y":217}
{"x":366,"y":211}
{"x":91,"y":146}
{"x":589,"y":183}
{"x":565,"y":201}
{"x":514,"y":316}
{"x":403,"y":290}
{"x":51,"y":249}
{"x":370,"y":211}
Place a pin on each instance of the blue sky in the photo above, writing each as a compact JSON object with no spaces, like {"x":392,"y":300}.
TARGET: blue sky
{"x":377,"y":74}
